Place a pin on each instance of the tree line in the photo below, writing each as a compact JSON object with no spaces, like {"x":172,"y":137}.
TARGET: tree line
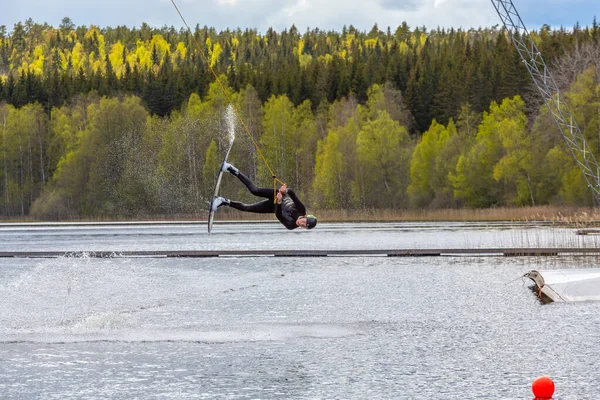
{"x":436,"y":70}
{"x":130,"y":122}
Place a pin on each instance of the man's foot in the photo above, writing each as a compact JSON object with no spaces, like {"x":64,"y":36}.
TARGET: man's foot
{"x":229,"y":168}
{"x":218,"y":202}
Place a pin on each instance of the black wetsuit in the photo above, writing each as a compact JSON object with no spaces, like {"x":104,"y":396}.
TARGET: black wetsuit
{"x":287,"y":212}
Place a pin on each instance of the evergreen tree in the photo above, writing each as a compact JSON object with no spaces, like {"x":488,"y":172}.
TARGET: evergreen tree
{"x":321,"y":103}
{"x":19,"y":93}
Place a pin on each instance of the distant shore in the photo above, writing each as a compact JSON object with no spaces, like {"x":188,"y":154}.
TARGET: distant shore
{"x":579,"y":216}
{"x":571,"y":215}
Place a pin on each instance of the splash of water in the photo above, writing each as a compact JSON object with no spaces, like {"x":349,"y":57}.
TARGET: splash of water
{"x":230,"y":119}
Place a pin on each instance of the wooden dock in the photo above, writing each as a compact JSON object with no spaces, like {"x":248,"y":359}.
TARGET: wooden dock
{"x":482,"y":252}
{"x":588,"y":232}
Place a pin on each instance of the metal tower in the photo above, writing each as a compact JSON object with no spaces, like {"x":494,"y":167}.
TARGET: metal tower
{"x":551,"y":94}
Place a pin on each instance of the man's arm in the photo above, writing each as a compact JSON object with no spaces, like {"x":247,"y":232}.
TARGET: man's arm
{"x":299,"y":206}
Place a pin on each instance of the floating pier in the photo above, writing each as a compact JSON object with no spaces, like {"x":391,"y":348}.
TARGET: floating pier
{"x":487,"y":252}
{"x":588,"y":232}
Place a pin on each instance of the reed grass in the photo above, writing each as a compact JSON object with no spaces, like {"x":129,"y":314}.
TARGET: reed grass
{"x":574,"y":216}
{"x":566,"y":215}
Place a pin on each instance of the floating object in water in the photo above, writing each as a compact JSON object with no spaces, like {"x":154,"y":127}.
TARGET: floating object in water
{"x":566,"y":285}
{"x":543,"y":388}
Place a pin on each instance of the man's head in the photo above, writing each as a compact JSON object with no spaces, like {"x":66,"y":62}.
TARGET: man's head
{"x":307,"y":221}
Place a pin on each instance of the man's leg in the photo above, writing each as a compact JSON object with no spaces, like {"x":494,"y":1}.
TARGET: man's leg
{"x":260,"y":192}
{"x":262,"y":207}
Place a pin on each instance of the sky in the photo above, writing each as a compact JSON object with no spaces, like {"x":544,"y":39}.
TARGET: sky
{"x":304,"y":14}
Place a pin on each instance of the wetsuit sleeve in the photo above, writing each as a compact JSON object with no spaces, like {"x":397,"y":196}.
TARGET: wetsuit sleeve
{"x":278,"y":212}
{"x":299,"y":206}
{"x":289,"y":224}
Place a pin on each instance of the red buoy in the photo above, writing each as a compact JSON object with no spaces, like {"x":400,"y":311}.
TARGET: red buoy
{"x":543,"y":387}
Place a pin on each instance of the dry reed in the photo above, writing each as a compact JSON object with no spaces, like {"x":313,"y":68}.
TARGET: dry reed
{"x":576,"y":216}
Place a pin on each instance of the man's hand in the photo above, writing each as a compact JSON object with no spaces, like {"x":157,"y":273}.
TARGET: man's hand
{"x":283,"y":189}
{"x":279,"y":197}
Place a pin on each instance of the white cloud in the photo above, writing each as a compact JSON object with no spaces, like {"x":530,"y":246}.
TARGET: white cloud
{"x":300,"y":6}
{"x":334,"y":14}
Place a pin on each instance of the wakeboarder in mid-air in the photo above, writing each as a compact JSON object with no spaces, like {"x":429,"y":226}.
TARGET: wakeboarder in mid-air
{"x":287,"y":207}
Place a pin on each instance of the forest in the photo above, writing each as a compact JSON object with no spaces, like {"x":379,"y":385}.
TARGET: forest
{"x":130,"y":122}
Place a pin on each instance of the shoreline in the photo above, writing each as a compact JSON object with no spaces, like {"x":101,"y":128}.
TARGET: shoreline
{"x":579,"y":216}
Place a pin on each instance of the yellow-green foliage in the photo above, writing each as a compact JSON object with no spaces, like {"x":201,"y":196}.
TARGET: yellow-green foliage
{"x":305,"y":60}
{"x":97,"y":62}
{"x":63,"y":61}
{"x":380,"y":150}
{"x":423,"y":165}
{"x":215,"y":54}
{"x":300,"y":48}
{"x":116,"y":59}
{"x":160,"y":45}
{"x":371,"y":43}
{"x":326,"y":58}
{"x":403,"y":48}
{"x":78,"y":57}
{"x":348,"y":43}
{"x":337,"y":154}
{"x":143,"y":55}
{"x":180,"y":52}
{"x":329,"y":171}
{"x":211,"y":163}
{"x":37,"y":65}
{"x":277,"y":140}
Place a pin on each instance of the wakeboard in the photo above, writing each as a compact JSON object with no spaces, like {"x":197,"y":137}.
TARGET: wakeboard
{"x":211,"y":213}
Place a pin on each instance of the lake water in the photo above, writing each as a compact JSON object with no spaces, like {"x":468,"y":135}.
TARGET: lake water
{"x":289,"y":328}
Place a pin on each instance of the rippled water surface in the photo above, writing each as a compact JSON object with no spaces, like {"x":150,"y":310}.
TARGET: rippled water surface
{"x":289,"y":328}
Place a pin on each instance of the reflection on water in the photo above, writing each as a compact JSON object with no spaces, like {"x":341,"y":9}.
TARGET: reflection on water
{"x":275,"y":328}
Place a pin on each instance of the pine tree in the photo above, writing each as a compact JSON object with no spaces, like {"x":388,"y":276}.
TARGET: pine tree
{"x":112,"y":84}
{"x":19,"y":93}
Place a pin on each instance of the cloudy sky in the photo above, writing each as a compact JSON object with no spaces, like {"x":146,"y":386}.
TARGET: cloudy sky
{"x":281,"y":14}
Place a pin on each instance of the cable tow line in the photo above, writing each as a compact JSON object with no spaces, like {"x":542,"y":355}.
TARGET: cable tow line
{"x":235,"y":110}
